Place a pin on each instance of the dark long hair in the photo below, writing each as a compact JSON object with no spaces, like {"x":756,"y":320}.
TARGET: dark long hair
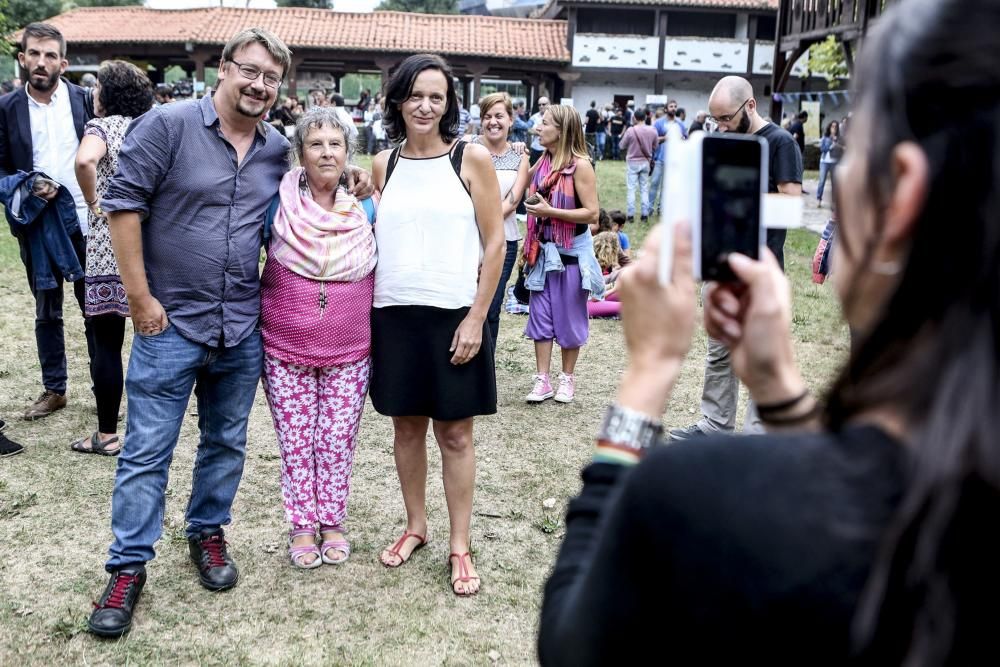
{"x":400,"y":84}
{"x":125,"y":89}
{"x":933,"y":357}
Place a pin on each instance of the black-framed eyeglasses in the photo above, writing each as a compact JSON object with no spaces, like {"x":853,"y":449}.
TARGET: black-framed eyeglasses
{"x":729,"y":117}
{"x":250,"y":73}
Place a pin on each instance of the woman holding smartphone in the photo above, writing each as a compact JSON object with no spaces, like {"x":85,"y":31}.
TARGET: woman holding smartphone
{"x":859,"y":531}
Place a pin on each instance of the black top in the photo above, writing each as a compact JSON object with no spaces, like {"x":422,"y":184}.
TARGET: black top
{"x":617,"y":125}
{"x":724,"y":550}
{"x":797,"y":129}
{"x":784,"y":166}
{"x":593,"y":118}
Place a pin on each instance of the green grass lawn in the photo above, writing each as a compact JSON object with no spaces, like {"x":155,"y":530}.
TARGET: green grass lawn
{"x":54,"y":513}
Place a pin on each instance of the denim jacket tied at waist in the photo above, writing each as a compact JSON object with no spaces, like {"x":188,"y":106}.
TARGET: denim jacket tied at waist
{"x":548,"y":260}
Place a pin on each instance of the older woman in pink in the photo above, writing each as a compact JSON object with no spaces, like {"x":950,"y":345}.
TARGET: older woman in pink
{"x":316,"y":299}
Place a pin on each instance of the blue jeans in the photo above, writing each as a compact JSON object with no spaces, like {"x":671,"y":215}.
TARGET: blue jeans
{"x":161,"y":373}
{"x":824,"y":169}
{"x":601,"y":142}
{"x":615,"y":149}
{"x":636,"y":172}
{"x":493,"y":314}
{"x":656,"y":186}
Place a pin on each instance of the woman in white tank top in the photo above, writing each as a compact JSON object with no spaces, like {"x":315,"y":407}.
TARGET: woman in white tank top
{"x":441,"y":241}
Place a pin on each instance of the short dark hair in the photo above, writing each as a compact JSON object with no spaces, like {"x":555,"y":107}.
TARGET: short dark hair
{"x":640,"y":114}
{"x":125,"y":89}
{"x":43,"y":31}
{"x":803,"y":115}
{"x":164,"y":90}
{"x":618,"y":217}
{"x":397,"y":90}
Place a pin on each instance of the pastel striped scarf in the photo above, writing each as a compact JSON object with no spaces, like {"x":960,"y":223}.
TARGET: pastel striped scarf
{"x":557,"y":188}
{"x":307,"y":239}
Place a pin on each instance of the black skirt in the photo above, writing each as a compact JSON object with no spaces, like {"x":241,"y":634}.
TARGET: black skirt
{"x":412,"y":373}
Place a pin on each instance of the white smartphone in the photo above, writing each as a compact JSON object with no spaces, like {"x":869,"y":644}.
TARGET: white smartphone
{"x":717,"y":182}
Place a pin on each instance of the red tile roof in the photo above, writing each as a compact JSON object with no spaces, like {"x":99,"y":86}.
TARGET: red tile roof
{"x":389,"y":32}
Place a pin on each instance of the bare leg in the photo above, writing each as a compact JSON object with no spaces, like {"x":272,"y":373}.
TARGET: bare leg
{"x":458,"y":463}
{"x":543,"y":356}
{"x":410,"y":451}
{"x":569,"y":357}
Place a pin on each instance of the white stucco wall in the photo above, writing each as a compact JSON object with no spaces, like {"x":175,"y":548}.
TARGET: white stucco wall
{"x":763,"y":60}
{"x":625,"y":51}
{"x":695,"y":54}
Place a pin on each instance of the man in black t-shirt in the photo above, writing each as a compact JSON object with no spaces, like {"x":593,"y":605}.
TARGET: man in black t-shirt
{"x":797,"y":128}
{"x":616,"y":126}
{"x":733,"y":108}
{"x":593,"y":117}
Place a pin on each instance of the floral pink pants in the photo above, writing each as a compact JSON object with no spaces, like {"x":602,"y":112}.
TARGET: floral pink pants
{"x":316,"y":414}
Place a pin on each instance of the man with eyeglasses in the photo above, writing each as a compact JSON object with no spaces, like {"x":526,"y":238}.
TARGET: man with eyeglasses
{"x":186,"y":212}
{"x":732,"y":108}
{"x":535,"y":123}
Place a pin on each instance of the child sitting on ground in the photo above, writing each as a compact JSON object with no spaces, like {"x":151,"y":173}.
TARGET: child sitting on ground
{"x":607,"y":250}
{"x":618,"y":225}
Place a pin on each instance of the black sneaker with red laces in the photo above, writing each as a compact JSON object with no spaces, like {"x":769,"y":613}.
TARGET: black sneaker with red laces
{"x":112,"y":615}
{"x":216,"y":569}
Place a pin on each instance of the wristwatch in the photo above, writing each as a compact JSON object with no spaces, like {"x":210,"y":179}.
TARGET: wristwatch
{"x":624,"y":428}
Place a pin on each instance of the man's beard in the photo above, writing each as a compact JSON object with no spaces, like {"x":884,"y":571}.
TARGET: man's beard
{"x":744,"y":125}
{"x":45,"y":86}
{"x":671,"y":114}
{"x":248,"y":112}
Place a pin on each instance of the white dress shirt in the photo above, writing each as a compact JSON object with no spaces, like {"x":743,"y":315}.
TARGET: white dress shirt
{"x":54,"y":144}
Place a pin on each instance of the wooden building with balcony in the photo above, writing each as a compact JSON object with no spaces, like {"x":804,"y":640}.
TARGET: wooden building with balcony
{"x":629,"y":49}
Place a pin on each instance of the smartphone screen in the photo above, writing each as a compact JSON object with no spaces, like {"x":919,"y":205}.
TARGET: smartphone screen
{"x":730,"y":205}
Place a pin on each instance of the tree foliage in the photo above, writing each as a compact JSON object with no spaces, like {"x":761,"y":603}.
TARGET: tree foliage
{"x":20,"y":13}
{"x":311,"y":4}
{"x":827,"y":59}
{"x":420,"y":6}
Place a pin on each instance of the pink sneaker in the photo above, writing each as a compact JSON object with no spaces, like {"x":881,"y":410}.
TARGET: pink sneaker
{"x":542,"y":390}
{"x":567,"y":388}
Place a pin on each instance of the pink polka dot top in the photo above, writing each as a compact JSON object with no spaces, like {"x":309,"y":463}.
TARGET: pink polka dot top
{"x":314,"y":323}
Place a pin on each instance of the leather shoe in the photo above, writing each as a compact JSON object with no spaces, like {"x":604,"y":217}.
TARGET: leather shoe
{"x":216,"y":569}
{"x":47,"y":403}
{"x":112,"y":615}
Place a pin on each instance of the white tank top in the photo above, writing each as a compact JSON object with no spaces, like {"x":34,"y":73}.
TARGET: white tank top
{"x":429,"y":248}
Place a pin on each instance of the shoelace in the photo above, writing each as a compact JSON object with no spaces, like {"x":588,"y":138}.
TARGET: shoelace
{"x":118,"y":592}
{"x":214,"y":547}
{"x":540,"y":384}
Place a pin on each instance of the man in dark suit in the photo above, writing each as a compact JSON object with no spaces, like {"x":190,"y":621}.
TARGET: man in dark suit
{"x":41,"y":125}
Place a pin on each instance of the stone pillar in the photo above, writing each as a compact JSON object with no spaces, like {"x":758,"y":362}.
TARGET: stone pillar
{"x":568,"y":78}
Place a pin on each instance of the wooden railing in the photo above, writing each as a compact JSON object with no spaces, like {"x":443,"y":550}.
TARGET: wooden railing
{"x":813,"y":20}
{"x":802,"y":23}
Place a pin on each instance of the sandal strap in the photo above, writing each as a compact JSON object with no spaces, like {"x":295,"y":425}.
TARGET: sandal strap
{"x":463,"y":569}
{"x":304,"y":549}
{"x":394,"y":549}
{"x":298,"y":532}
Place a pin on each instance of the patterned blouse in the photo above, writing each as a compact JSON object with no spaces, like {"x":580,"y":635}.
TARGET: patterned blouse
{"x":506,"y":166}
{"x":105,"y":292}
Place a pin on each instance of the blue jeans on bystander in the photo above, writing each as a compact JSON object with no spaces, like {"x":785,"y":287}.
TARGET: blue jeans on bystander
{"x":161,"y":373}
{"x":636,"y":172}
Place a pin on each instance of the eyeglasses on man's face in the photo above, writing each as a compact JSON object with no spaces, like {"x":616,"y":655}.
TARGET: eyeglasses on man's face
{"x":718,"y":120}
{"x":250,"y":73}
